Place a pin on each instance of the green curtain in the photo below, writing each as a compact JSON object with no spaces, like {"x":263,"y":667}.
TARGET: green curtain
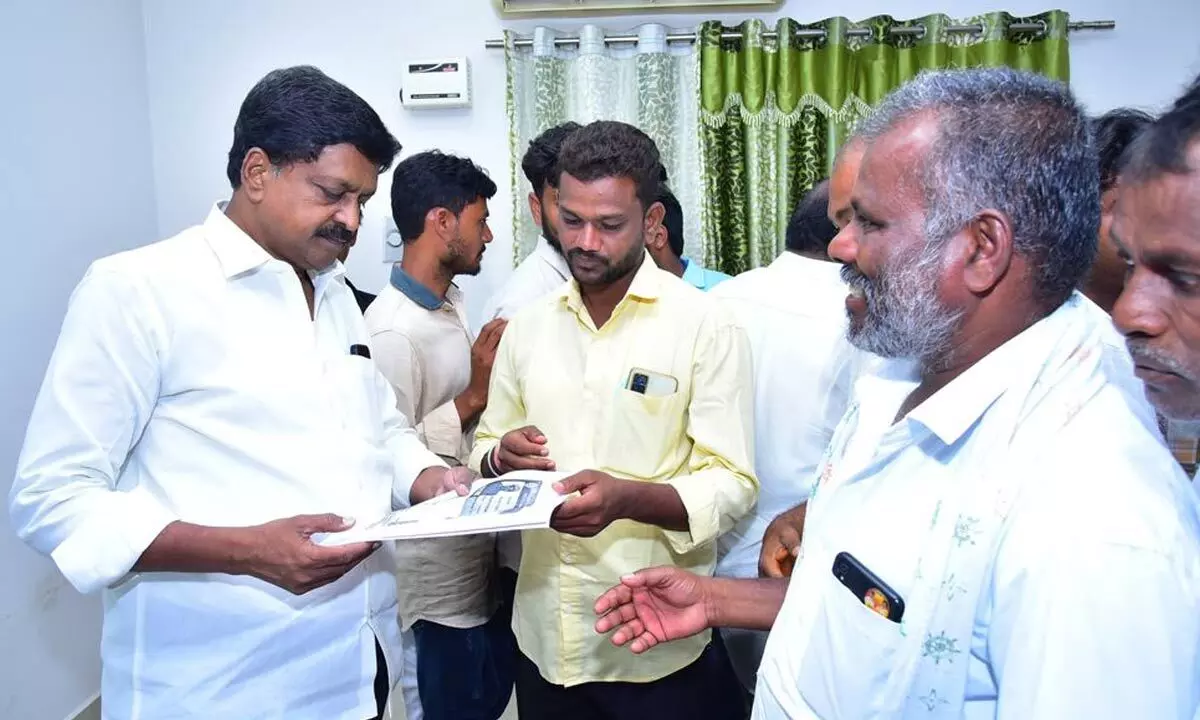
{"x":773,"y":112}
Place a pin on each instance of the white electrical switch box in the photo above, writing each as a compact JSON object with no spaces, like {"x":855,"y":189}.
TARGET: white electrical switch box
{"x":442,"y":83}
{"x":393,"y":245}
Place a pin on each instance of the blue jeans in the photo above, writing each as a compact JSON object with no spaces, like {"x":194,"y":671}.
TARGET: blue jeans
{"x":465,"y":674}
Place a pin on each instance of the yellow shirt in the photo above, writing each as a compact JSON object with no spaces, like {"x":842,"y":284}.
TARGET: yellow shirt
{"x":555,"y":370}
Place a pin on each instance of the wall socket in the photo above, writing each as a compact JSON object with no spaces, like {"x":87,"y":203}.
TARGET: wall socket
{"x":393,"y":246}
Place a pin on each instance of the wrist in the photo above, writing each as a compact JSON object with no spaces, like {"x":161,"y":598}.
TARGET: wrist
{"x":242,"y":551}
{"x":626,"y":498}
{"x":710,"y":599}
{"x":490,"y":466}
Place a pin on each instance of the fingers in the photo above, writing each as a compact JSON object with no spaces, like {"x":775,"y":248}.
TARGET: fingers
{"x":533,"y":435}
{"x":491,"y":333}
{"x":612,"y":598}
{"x":328,"y":522}
{"x":512,"y":461}
{"x":526,"y":441}
{"x":458,"y":480}
{"x":348,"y":555}
{"x":525,"y":449}
{"x":574,"y":483}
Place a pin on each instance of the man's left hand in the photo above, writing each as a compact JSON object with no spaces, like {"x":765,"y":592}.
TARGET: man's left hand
{"x":437,"y":480}
{"x":602,"y":499}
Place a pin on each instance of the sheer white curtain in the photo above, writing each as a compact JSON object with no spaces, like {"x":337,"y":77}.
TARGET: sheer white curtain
{"x":650,"y":85}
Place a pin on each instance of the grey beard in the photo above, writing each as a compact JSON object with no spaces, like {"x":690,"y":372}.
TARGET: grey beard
{"x":904,"y":318}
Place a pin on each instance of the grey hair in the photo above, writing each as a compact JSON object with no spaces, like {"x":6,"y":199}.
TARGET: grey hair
{"x":1010,"y":141}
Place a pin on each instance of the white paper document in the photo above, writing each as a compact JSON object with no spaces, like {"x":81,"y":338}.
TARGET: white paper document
{"x":522,"y":500}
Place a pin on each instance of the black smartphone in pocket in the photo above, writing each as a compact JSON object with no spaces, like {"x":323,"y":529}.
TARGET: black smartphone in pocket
{"x":867,"y":587}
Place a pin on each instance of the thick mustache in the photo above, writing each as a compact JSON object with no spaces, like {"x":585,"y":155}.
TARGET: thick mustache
{"x":1143,"y":354}
{"x":336,"y":232}
{"x":855,"y":280}
{"x":576,"y":253}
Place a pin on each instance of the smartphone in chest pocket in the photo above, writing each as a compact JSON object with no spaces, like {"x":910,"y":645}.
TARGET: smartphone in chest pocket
{"x":650,"y":384}
{"x":867,"y":587}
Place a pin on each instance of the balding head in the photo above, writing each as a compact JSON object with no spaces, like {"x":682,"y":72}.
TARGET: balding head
{"x":841,"y":182}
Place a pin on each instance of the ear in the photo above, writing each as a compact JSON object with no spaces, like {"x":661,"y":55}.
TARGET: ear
{"x":654,"y":215}
{"x":988,"y":251}
{"x":257,"y":172}
{"x":1108,"y":200}
{"x":535,"y":209}
{"x":656,"y":238}
{"x":440,"y":222}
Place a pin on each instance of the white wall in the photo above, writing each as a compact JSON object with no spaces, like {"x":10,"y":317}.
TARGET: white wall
{"x":75,"y":184}
{"x":203,"y":57}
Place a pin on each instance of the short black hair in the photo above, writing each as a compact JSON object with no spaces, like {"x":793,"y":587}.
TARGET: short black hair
{"x":1115,"y":131}
{"x":809,"y":231}
{"x":1163,"y":148}
{"x":431,"y":180}
{"x":672,"y":219}
{"x":294,"y":113}
{"x":542,"y":156}
{"x":607,"y":148}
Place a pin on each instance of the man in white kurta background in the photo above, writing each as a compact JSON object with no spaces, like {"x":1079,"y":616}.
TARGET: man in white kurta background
{"x":1000,"y":534}
{"x":792,"y":312}
{"x":458,"y":650}
{"x":545,"y":269}
{"x":210,"y":405}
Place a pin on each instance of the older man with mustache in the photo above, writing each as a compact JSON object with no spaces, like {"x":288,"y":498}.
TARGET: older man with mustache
{"x":964,"y":556}
{"x":1156,"y":227}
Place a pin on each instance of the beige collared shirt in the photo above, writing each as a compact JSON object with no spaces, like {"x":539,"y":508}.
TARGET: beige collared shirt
{"x":556,"y":370}
{"x":425,"y":353}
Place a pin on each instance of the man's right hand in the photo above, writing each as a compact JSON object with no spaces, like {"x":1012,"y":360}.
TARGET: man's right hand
{"x":483,"y":355}
{"x":781,"y":543}
{"x":523,"y":449}
{"x":654,"y":606}
{"x":282,"y":553}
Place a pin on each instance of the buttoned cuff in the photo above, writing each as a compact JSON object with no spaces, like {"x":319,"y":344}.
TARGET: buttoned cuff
{"x":106,"y":543}
{"x":704,"y":523}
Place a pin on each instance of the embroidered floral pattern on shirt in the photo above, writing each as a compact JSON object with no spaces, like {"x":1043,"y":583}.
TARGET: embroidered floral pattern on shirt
{"x":965,"y":530}
{"x":939,"y":647}
{"x":932,"y":700}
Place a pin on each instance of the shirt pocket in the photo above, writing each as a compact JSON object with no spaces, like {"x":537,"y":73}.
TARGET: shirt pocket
{"x":848,"y":657}
{"x":355,"y":395}
{"x":645,"y":433}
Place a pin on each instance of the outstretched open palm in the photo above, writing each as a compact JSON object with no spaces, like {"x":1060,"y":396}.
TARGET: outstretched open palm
{"x":653,"y":606}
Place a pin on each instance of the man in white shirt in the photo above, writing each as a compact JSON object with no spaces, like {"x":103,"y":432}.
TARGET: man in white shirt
{"x":1156,"y":228}
{"x":781,"y":540}
{"x":545,"y":269}
{"x":963,"y":554}
{"x":793,"y":314}
{"x":458,"y":652}
{"x":209,"y":407}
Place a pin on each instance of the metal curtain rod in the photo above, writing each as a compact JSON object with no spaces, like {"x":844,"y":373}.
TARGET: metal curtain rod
{"x":917,"y":30}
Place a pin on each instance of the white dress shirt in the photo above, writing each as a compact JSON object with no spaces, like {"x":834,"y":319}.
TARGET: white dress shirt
{"x":190,"y":383}
{"x":1090,"y":605}
{"x":423,"y":347}
{"x":539,"y":274}
{"x":794,"y":314}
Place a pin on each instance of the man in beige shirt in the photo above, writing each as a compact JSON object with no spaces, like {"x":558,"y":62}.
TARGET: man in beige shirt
{"x":458,"y":650}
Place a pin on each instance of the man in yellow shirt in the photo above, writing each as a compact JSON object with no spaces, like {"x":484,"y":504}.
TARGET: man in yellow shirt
{"x":641,"y":386}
